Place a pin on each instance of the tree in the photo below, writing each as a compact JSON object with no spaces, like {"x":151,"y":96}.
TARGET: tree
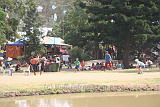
{"x":2,"y":23}
{"x":77,"y":52}
{"x":74,"y":29}
{"x":33,"y":36}
{"x":14,"y":10}
{"x":127,"y":21}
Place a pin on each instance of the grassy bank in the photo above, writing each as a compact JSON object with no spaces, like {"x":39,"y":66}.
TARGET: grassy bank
{"x":19,"y":82}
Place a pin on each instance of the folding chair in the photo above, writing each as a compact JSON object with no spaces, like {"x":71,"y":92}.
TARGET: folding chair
{"x":10,"y":70}
{"x":28,"y":70}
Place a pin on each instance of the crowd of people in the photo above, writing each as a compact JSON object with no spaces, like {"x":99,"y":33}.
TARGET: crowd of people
{"x":41,"y":65}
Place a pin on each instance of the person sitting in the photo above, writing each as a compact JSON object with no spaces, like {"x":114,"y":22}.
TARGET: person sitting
{"x":102,"y":66}
{"x":131,"y":66}
{"x":25,"y":64}
{"x":93,"y":66}
{"x":17,"y":67}
{"x":119,"y":66}
{"x":97,"y":66}
{"x":115,"y":66}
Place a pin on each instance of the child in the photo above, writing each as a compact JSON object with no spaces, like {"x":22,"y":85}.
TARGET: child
{"x":77,"y":62}
{"x":83,"y":65}
{"x":119,"y":66}
{"x":115,"y":66}
{"x":140,"y":65}
{"x":149,"y":64}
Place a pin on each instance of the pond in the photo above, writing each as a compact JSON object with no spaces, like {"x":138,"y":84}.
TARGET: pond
{"x":136,"y":99}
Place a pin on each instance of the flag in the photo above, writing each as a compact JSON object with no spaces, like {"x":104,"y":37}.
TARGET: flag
{"x":64,"y":11}
{"x":55,"y":17}
{"x":39,"y":9}
{"x":54,"y":7}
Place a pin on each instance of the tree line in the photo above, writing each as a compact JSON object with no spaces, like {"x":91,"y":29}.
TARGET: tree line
{"x":133,"y":26}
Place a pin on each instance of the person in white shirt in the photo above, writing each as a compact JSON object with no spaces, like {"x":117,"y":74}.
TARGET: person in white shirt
{"x":149,"y":64}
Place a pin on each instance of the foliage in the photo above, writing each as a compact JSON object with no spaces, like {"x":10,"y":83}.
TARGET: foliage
{"x":74,"y":29}
{"x":2,"y":23}
{"x":33,"y":36}
{"x":77,"y":52}
{"x":126,"y":23}
{"x":20,"y":58}
{"x":15,"y":11}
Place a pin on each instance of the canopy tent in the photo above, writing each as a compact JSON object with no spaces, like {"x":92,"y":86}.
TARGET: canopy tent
{"x":45,"y":41}
{"x":15,"y":49}
{"x":53,"y":41}
{"x":17,"y":43}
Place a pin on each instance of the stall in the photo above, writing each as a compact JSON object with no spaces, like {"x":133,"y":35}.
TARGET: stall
{"x":55,"y":45}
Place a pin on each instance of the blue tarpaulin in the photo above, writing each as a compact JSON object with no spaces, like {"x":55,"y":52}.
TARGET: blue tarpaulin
{"x":17,"y":43}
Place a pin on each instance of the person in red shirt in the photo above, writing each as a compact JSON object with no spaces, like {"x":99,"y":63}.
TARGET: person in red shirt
{"x":83,"y":65}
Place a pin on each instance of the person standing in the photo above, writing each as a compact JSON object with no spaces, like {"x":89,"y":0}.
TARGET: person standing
{"x":42,"y":63}
{"x":58,"y":63}
{"x":108,"y":60}
{"x":34,"y":61}
{"x":8,"y":66}
{"x":158,"y":62}
{"x":69,"y":63}
{"x":1,"y":63}
{"x":83,"y":65}
{"x":140,"y":65}
{"x":77,"y":62}
{"x":149,"y":63}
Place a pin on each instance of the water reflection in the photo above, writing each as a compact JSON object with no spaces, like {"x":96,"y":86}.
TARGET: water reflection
{"x":43,"y":103}
{"x":86,"y":100}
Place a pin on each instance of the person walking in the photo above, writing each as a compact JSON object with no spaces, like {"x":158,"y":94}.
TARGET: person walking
{"x":108,"y":60}
{"x":139,"y":66}
{"x":77,"y":62}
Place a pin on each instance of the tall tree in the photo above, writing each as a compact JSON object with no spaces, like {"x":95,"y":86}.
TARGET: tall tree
{"x":33,"y":36}
{"x":75,"y":29}
{"x":2,"y":24}
{"x":128,"y":21}
{"x":14,"y":11}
